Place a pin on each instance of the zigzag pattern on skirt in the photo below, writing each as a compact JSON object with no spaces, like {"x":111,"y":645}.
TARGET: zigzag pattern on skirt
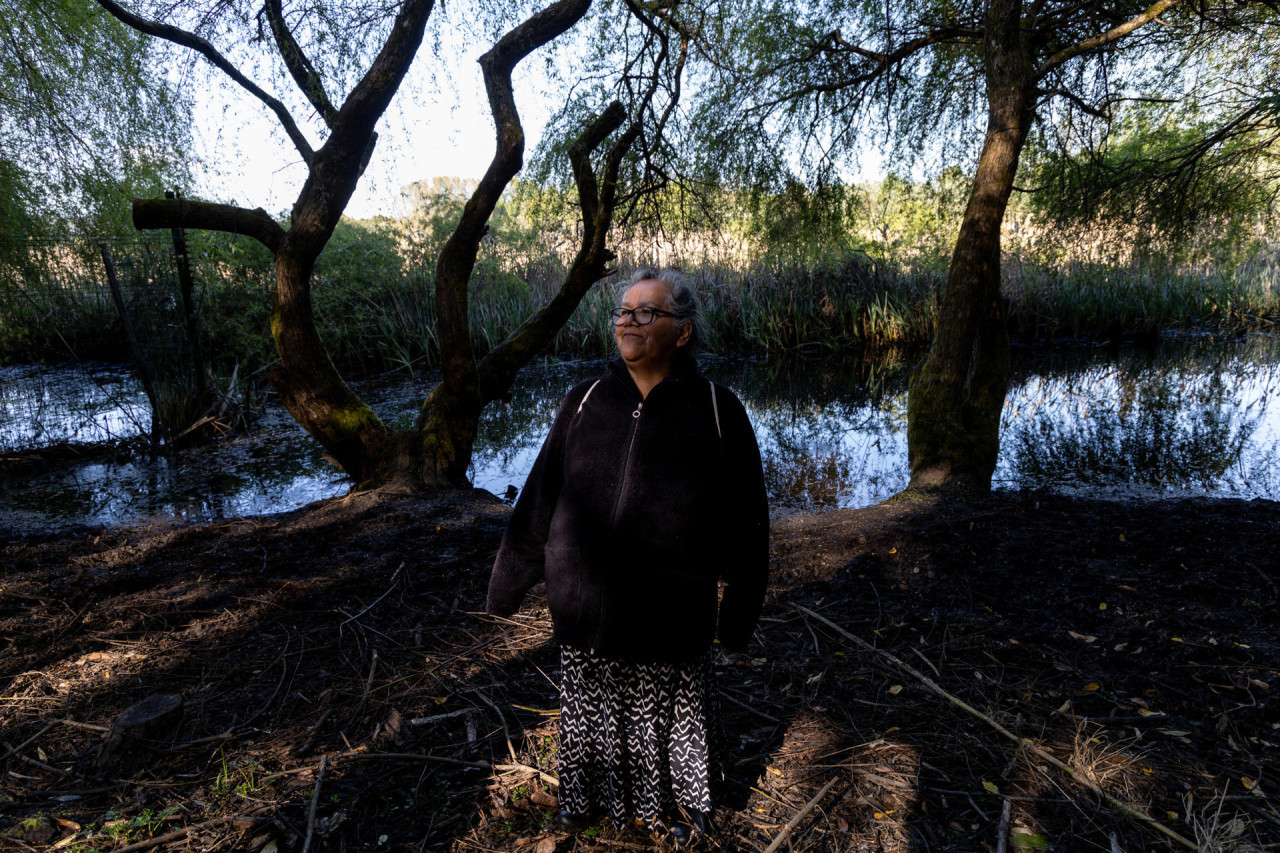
{"x":634,"y":736}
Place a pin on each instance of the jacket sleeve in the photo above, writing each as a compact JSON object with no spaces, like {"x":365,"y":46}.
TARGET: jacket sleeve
{"x":745,"y":568}
{"x":520,"y":559}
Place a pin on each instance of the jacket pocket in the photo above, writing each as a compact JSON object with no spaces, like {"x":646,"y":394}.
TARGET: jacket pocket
{"x":564,"y":575}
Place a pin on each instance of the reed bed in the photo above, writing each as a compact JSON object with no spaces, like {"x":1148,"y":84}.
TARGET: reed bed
{"x":376,"y":310}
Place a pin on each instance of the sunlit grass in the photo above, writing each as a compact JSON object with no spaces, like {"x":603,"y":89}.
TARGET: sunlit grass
{"x":375,"y":307}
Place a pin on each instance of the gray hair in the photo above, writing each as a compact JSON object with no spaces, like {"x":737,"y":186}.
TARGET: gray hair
{"x":683,"y":302}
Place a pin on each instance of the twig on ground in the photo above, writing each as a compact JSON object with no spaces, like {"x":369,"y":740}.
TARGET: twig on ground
{"x":315,"y":801}
{"x":422,"y":721}
{"x":812,"y":633}
{"x":800,"y":815}
{"x":1026,"y":743}
{"x":76,"y":724}
{"x":179,"y":833}
{"x":1002,"y":834}
{"x":284,"y":673}
{"x":368,"y":686}
{"x":49,"y":768}
{"x":377,"y":600}
{"x":525,"y":768}
{"x":26,"y":743}
{"x":392,"y":640}
{"x":505,"y":731}
{"x":324,"y":699}
{"x":747,"y":707}
{"x":920,"y":655}
{"x":360,"y":754}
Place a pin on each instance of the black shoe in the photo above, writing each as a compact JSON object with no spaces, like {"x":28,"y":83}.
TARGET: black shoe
{"x":572,"y":821}
{"x":690,"y":827}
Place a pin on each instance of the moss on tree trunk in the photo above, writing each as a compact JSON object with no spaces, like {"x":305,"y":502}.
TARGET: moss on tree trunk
{"x":954,"y":403}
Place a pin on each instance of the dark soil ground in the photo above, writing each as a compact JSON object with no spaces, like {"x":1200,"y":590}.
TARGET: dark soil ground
{"x":341,"y":691}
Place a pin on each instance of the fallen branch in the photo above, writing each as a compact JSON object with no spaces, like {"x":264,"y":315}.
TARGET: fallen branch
{"x":179,"y":833}
{"x":525,"y":768}
{"x":315,"y":801}
{"x":368,"y":686}
{"x":359,"y":754}
{"x":1002,"y":834}
{"x":48,"y":768}
{"x":800,"y":815}
{"x":76,"y":724}
{"x":35,"y":737}
{"x":727,"y":697}
{"x":933,"y":686}
{"x":505,"y":731}
{"x":390,"y":587}
{"x":422,"y":721}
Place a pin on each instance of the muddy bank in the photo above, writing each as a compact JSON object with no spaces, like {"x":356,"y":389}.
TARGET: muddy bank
{"x":338,"y":682}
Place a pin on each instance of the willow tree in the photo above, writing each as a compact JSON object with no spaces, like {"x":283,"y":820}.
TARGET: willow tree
{"x":301,"y":39}
{"x":87,"y":117}
{"x":1200,"y":158}
{"x":942,"y":76}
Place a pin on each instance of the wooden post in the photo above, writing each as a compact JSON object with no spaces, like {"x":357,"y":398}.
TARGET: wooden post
{"x":187,"y":287}
{"x":144,"y":372}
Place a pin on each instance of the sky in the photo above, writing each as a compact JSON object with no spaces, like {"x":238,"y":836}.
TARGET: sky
{"x":248,"y":160}
{"x":251,"y":163}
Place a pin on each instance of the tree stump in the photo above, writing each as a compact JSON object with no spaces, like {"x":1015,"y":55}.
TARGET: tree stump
{"x":140,"y":727}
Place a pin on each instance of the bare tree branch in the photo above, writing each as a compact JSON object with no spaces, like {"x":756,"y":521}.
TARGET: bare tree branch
{"x":156,"y":213}
{"x":1101,"y":40}
{"x":353,"y":128}
{"x":190,"y":40}
{"x":499,"y":367}
{"x":876,"y":65}
{"x":460,"y":389}
{"x":301,"y":69}
{"x":598,"y":200}
{"x":1080,"y":103}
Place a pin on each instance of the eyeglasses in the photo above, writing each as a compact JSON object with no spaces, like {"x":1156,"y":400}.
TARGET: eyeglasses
{"x":644,"y":315}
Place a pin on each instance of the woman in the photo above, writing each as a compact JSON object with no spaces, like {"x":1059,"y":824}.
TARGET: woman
{"x":647,"y":491}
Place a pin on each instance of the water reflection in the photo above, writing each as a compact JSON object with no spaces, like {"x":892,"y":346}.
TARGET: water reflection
{"x":830,"y":434}
{"x":88,"y":403}
{"x":1190,"y":419}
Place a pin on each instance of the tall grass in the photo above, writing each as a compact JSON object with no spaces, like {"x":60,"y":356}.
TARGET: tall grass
{"x":1093,"y":301}
{"x":375,"y":307}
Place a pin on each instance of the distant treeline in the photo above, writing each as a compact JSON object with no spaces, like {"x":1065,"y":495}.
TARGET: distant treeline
{"x":832,"y":268}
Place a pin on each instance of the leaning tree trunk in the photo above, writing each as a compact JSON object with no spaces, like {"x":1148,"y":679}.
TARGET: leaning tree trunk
{"x":954,"y":406}
{"x":309,"y":385}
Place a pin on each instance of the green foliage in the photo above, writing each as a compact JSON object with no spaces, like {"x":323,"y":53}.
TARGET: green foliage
{"x":236,"y":281}
{"x":1199,"y":143}
{"x":87,"y":119}
{"x":1162,"y":176}
{"x":834,"y":268}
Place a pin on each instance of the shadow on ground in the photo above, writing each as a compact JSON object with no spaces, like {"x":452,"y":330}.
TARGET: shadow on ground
{"x":341,"y":690}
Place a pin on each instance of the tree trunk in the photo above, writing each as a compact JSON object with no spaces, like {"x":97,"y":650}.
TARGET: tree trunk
{"x":437,"y":452}
{"x":309,"y":385}
{"x":955,"y":402}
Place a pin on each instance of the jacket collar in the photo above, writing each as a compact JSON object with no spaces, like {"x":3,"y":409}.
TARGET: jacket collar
{"x":683,"y":367}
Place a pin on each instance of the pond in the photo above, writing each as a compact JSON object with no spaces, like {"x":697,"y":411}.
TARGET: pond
{"x":1195,"y":416}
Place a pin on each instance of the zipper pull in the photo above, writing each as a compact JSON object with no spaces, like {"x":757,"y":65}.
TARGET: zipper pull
{"x":636,"y":413}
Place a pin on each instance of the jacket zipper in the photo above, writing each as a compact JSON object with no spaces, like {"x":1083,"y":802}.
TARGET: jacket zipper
{"x":626,"y":466}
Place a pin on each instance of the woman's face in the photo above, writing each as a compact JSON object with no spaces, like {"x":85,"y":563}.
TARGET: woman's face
{"x":651,"y":346}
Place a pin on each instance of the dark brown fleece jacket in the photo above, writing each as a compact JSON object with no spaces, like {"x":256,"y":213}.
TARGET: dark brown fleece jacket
{"x":632,"y":512}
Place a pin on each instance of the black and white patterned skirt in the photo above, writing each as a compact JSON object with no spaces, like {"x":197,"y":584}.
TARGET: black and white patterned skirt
{"x":634,"y":737}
